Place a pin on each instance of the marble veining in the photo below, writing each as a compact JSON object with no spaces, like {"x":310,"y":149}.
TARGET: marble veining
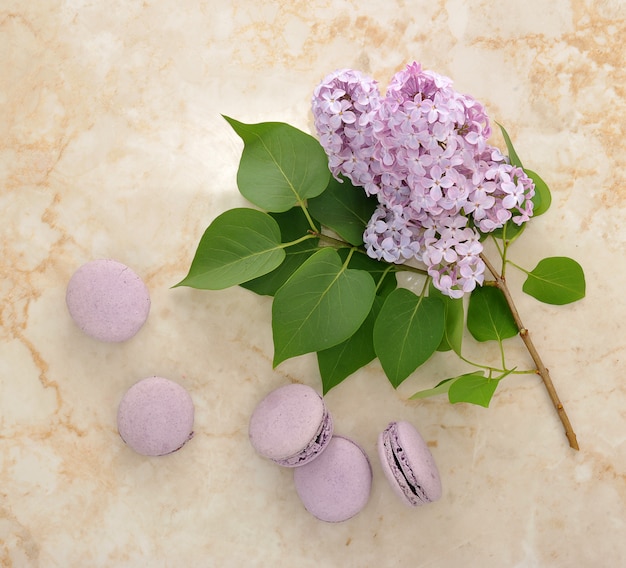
{"x":113,"y":146}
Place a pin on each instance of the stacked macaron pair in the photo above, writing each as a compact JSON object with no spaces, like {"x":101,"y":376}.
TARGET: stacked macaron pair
{"x":293,"y":427}
{"x":109,"y":302}
{"x":332,"y":474}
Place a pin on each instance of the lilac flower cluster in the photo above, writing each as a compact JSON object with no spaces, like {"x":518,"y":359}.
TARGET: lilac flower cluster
{"x":422,"y":150}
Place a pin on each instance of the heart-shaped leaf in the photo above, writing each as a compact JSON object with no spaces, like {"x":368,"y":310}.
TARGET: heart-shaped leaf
{"x":474,"y":388}
{"x":454,"y":321}
{"x":556,"y":280}
{"x":280,"y":166}
{"x":322,"y":304}
{"x":293,"y":225}
{"x":407,"y":332}
{"x":345,"y":209}
{"x":439,"y":388}
{"x":339,"y":362}
{"x":488,"y":315}
{"x":238,"y":245}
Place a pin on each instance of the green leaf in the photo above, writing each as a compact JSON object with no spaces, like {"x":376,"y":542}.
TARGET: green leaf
{"x":280,"y":166}
{"x":238,"y":245}
{"x":322,"y":304}
{"x":339,"y":362}
{"x":513,"y":157}
{"x":556,"y":280}
{"x":474,"y":388}
{"x":454,"y":321}
{"x":378,"y":270}
{"x":345,"y":209}
{"x":489,"y":316}
{"x":542,"y":198}
{"x":293,"y":225}
{"x":407,"y":332}
{"x":440,"y":388}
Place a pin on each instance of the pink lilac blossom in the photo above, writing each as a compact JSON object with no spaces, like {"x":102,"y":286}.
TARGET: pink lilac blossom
{"x":344,"y":105}
{"x":422,"y":150}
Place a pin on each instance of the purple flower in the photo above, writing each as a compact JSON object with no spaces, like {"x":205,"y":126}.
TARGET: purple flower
{"x":422,"y":150}
{"x":343,"y":105}
{"x":509,"y":190}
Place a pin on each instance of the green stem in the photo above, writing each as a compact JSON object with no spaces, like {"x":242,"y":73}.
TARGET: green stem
{"x":502,"y":356}
{"x":345,"y":264}
{"x":505,"y":246}
{"x":518,"y":267}
{"x":425,"y":287}
{"x":301,"y":239}
{"x":501,"y":250}
{"x":383,"y":276}
{"x":308,"y":217}
{"x":332,"y":240}
{"x":542,"y":370}
{"x":495,"y":241}
{"x":495,"y":369}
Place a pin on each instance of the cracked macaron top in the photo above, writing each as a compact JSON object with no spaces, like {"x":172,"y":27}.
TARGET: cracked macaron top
{"x":155,"y":417}
{"x":408,"y":464}
{"x":291,"y":425}
{"x":107,"y":300}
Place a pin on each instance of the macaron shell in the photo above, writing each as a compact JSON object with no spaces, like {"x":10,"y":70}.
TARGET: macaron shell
{"x":155,"y":416}
{"x":107,"y":300}
{"x":414,"y":459}
{"x":337,"y":484}
{"x":291,"y":425}
{"x":315,"y":446}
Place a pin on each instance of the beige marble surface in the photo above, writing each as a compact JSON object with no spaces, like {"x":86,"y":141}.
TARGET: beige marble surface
{"x":112,"y":145}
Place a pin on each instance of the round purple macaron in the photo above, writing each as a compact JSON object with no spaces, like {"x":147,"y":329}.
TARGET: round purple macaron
{"x":291,"y":425}
{"x":155,"y":417}
{"x":337,"y":485}
{"x":107,"y":300}
{"x":408,"y":464}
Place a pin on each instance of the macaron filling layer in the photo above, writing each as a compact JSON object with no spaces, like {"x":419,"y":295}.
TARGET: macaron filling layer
{"x":401,"y":469}
{"x":291,"y":426}
{"x":317,"y":444}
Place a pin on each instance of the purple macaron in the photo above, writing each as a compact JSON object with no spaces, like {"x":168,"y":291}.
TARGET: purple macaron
{"x":155,"y":417}
{"x":291,"y":425}
{"x":408,"y":464}
{"x":336,"y":485}
{"x":107,"y":300}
